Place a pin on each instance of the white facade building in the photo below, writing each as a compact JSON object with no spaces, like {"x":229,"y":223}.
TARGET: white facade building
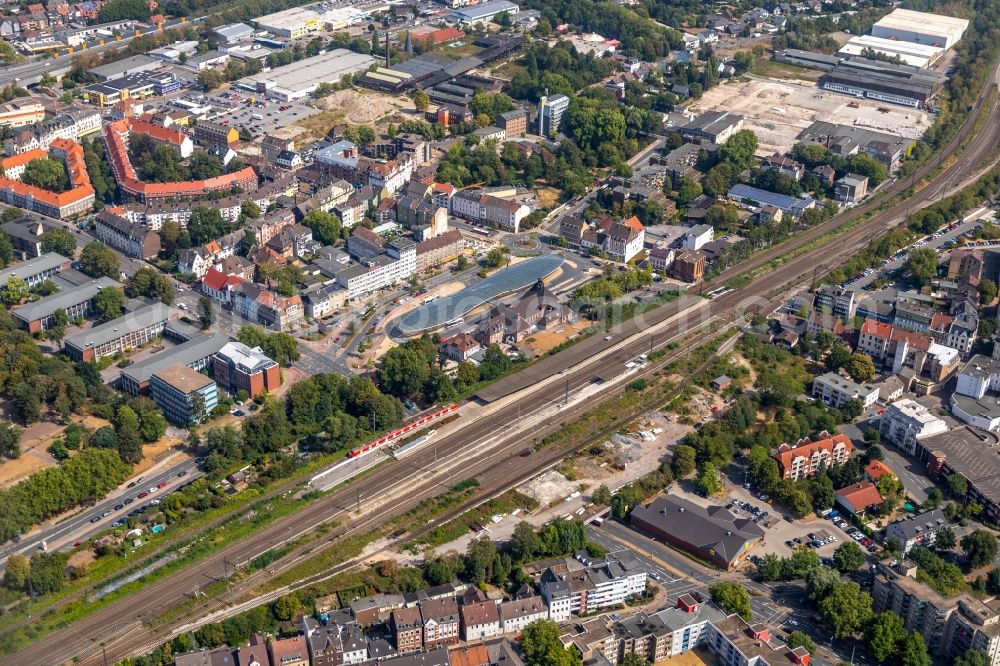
{"x":906,"y":421}
{"x":835,"y":390}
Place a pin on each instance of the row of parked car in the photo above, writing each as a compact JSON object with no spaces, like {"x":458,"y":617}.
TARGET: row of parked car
{"x":755,"y":513}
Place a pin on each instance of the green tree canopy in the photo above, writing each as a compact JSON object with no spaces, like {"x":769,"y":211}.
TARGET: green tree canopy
{"x":921,"y":266}
{"x":59,"y":241}
{"x":98,"y":260}
{"x":732,"y":598}
{"x":541,"y":646}
{"x":47,"y":173}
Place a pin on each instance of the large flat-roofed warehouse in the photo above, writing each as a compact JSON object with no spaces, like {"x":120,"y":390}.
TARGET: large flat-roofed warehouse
{"x":293,"y":22}
{"x":921,"y":28}
{"x":910,"y":53}
{"x":885,"y":82}
{"x":300,"y":79}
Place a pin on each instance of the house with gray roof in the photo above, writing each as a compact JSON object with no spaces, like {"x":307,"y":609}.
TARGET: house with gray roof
{"x":711,"y":533}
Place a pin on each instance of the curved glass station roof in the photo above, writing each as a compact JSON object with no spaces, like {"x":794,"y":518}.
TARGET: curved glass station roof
{"x":439,"y":312}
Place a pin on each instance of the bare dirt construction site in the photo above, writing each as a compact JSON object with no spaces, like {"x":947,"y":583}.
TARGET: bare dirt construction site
{"x":777,"y":111}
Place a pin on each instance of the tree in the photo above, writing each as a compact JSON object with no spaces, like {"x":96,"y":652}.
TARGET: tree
{"x":739,"y":149}
{"x":467,"y":373}
{"x":119,"y":10}
{"x":151,"y":284}
{"x":848,"y":557}
{"x":479,"y":558}
{"x":129,"y":439}
{"x":286,"y":607}
{"x":206,"y":224}
{"x":541,"y":646}
{"x":884,"y":634}
{"x":921,"y":266}
{"x":980,"y":548}
{"x":957,"y":486}
{"x":684,"y":460}
{"x":914,"y":651}
{"x":46,"y":173}
{"x":524,"y":542}
{"x":732,"y":598}
{"x":59,"y":241}
{"x":688,"y":191}
{"x":326,"y":227}
{"x":601,"y":495}
{"x":15,"y":291}
{"x":495,"y":257}
{"x":198,"y":408}
{"x":800,"y":639}
{"x":421,"y":100}
{"x":109,"y":303}
{"x":987,"y":291}
{"x":98,"y":260}
{"x":210,"y":79}
{"x":205,"y":312}
{"x":15,"y":576}
{"x":708,"y":482}
{"x":633,"y":659}
{"x":769,"y":567}
{"x":820,"y":582}
{"x":972,"y":658}
{"x":860,"y":367}
{"x":846,"y":609}
{"x":838,"y":357}
{"x":404,"y":371}
{"x":945,"y":539}
{"x":363,"y":135}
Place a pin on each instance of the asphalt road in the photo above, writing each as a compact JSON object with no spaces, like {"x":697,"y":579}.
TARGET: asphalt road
{"x":91,"y":520}
{"x":463,"y":451}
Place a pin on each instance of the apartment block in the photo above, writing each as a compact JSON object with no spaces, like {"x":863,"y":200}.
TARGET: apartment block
{"x":835,"y":390}
{"x":440,"y":622}
{"x":806,"y":457}
{"x":129,"y":238}
{"x":907,"y":421}
{"x":592,"y":588}
{"x":516,"y":614}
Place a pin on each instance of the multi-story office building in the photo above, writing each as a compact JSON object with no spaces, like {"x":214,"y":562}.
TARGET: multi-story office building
{"x":184,"y":395}
{"x":76,"y":303}
{"x":238,"y":367}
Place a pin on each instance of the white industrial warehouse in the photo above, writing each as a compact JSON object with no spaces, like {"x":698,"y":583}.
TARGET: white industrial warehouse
{"x":910,"y":53}
{"x":299,"y":21}
{"x":921,"y":28}
{"x":299,"y":79}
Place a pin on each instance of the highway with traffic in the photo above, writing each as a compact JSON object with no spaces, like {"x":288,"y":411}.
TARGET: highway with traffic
{"x":490,"y":440}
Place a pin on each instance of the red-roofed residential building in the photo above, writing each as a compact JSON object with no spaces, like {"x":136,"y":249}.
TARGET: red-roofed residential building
{"x":219,"y":286}
{"x":460,"y":347}
{"x":859,"y":498}
{"x":874,"y":339}
{"x":76,"y":200}
{"x":876,"y":469}
{"x":116,"y":139}
{"x":805,"y":458}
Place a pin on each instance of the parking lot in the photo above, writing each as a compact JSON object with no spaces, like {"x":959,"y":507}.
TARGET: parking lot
{"x":263,"y":116}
